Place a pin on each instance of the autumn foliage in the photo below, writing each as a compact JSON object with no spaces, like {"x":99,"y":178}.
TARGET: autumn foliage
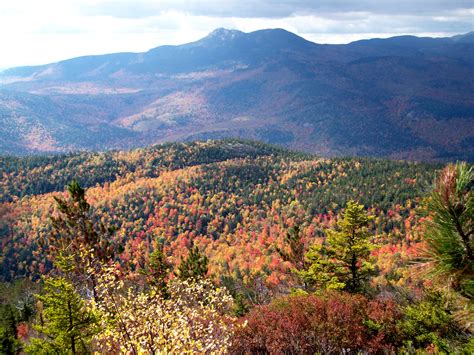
{"x":235,"y":201}
{"x":170,"y":245}
{"x":332,"y":323}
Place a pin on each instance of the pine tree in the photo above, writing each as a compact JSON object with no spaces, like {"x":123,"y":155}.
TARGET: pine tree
{"x":448,"y":258}
{"x":295,"y":251}
{"x":343,"y":261}
{"x":295,"y":254}
{"x":75,"y":228}
{"x":77,"y":241}
{"x":194,"y":266}
{"x":65,"y":324}
{"x":450,"y":229}
{"x":157,"y":270}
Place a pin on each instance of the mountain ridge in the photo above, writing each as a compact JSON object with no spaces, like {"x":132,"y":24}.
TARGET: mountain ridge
{"x":469,"y":36}
{"x":402,"y":97}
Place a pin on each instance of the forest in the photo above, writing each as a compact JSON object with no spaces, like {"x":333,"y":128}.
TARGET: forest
{"x":234,"y":246}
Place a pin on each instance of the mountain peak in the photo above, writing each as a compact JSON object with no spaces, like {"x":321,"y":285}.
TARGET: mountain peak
{"x":464,"y":38}
{"x":224,"y":34}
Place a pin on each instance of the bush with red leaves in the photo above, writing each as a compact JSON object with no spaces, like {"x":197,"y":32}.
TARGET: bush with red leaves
{"x":329,"y":324}
{"x":22,"y":331}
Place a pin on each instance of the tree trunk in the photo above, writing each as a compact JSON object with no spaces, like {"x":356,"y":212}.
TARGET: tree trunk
{"x":354,"y":272}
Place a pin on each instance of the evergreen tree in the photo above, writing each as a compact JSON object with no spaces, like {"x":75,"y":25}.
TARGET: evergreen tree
{"x":75,"y":228}
{"x":449,"y":259}
{"x":450,"y":229}
{"x":295,"y":251}
{"x":343,"y":261}
{"x":157,"y":270}
{"x":77,"y":241}
{"x":65,"y":324}
{"x":239,"y":292}
{"x":9,"y":344}
{"x":194,"y":266}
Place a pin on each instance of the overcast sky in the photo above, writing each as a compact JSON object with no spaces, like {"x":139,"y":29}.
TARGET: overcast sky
{"x":43,"y":31}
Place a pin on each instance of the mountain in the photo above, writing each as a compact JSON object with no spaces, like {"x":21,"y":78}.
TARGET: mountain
{"x":401,"y":97}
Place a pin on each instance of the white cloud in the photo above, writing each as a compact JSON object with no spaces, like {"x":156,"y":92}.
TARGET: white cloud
{"x":36,"y":32}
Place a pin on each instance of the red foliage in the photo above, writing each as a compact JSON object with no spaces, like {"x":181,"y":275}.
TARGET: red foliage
{"x":333,"y":323}
{"x":22,"y":331}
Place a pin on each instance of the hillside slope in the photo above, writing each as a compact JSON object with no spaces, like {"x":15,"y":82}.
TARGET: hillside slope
{"x":402,"y":97}
{"x":234,"y":199}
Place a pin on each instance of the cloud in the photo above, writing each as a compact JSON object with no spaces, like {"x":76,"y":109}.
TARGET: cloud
{"x":36,"y":32}
{"x":271,"y":8}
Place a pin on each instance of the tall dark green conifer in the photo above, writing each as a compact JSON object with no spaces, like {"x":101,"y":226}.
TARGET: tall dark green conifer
{"x":78,"y":242}
{"x":194,"y":266}
{"x":157,"y":270}
{"x":75,"y":227}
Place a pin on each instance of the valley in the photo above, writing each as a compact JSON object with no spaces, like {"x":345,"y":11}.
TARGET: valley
{"x":402,"y":97}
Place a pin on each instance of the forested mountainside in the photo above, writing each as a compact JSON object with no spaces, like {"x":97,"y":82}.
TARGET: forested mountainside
{"x":35,"y":175}
{"x":228,"y":246}
{"x":233,"y":198}
{"x":402,"y":97}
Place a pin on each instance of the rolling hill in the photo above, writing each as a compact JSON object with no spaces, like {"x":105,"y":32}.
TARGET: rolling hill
{"x":235,"y":199}
{"x":402,"y":97}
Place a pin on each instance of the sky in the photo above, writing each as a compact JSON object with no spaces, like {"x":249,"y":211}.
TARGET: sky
{"x":43,"y":31}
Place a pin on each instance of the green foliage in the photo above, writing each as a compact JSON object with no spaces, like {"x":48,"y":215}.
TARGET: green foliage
{"x":468,"y":348}
{"x":194,"y":266}
{"x":426,"y":323}
{"x":321,"y":272}
{"x":16,"y":308}
{"x":239,"y":293}
{"x":343,"y":261}
{"x":9,"y":319}
{"x":20,"y":296}
{"x":157,"y":270}
{"x":33,"y":175}
{"x":75,"y":227}
{"x":241,"y":307}
{"x":64,"y":322}
{"x":449,"y":233}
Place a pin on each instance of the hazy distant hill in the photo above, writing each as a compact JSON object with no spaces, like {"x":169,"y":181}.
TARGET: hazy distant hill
{"x":403,"y":97}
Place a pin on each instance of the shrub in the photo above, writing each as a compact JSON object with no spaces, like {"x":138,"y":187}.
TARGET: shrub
{"x":306,"y":324}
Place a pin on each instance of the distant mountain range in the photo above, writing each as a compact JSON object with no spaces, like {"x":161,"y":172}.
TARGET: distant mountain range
{"x":401,"y":97}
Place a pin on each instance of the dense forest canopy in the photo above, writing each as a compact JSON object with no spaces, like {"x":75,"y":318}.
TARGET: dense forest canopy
{"x":212,"y":193}
{"x":255,"y":230}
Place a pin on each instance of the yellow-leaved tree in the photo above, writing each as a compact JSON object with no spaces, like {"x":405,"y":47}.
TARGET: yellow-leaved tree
{"x":192,"y":317}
